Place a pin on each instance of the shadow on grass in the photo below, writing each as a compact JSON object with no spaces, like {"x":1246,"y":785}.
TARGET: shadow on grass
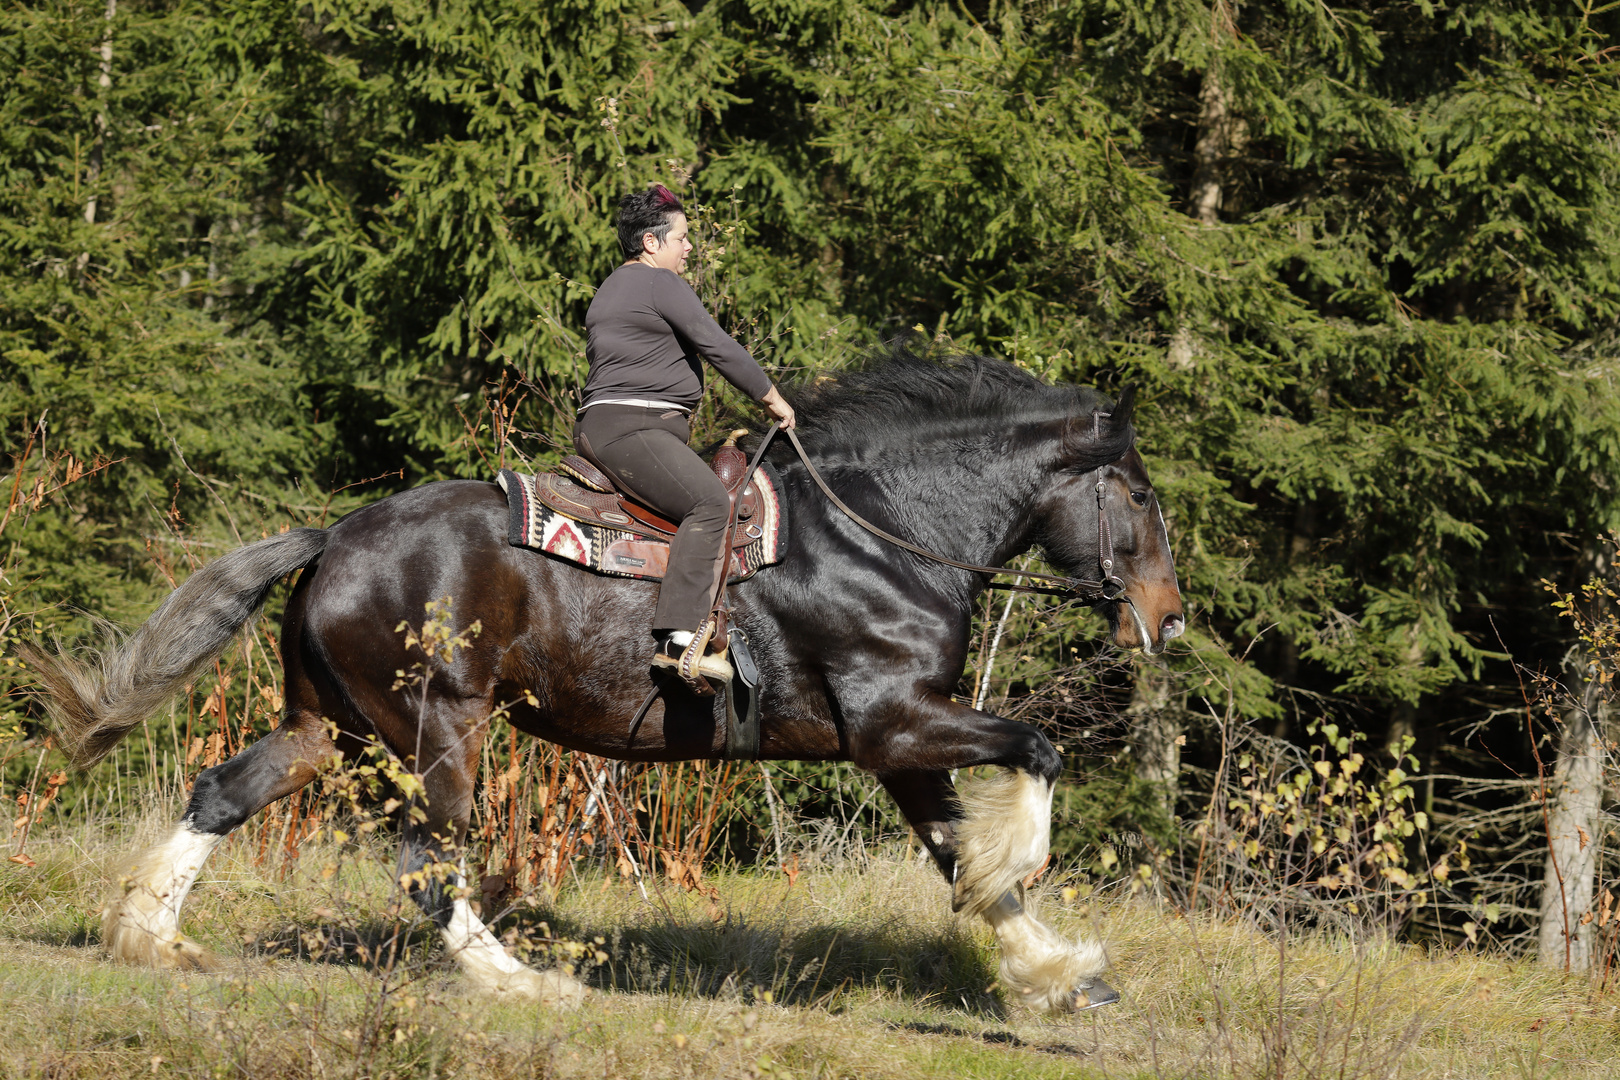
{"x":816,"y":965}
{"x":374,"y":944}
{"x":79,"y":935}
{"x":995,"y":1038}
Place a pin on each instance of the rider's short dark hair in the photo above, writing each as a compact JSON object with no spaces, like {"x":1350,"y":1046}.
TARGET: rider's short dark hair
{"x":643,"y":212}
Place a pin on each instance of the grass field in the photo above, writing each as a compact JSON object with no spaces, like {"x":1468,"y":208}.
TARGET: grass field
{"x":855,"y":969}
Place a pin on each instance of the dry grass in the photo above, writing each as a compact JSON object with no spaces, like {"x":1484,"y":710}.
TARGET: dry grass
{"x":857,"y":972}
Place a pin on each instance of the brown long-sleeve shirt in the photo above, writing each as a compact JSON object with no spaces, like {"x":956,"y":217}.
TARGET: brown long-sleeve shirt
{"x":647,"y":335}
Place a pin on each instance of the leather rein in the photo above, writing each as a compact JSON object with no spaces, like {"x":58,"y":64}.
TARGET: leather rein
{"x":1109,"y":588}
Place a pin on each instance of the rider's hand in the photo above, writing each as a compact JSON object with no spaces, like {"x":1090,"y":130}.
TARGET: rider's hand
{"x":780,"y":410}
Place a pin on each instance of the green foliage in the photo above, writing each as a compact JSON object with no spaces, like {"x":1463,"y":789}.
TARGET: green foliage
{"x":1114,"y":819}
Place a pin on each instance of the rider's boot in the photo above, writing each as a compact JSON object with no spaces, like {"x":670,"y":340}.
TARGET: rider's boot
{"x":688,"y":653}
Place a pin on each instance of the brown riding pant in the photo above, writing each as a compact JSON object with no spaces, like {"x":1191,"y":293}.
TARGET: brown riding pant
{"x":644,"y":451}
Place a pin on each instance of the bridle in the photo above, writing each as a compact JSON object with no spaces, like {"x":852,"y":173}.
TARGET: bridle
{"x":1109,"y":588}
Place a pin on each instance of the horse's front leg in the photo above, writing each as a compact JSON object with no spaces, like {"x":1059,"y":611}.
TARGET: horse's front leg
{"x":1002,"y":827}
{"x":990,"y":837}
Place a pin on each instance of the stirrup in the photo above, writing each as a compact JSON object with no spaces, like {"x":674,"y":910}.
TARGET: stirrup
{"x":695,"y":664}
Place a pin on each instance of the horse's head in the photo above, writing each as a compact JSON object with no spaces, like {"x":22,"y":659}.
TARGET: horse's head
{"x":1099,"y":518}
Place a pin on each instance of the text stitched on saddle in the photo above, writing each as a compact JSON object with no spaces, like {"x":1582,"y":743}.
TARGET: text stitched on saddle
{"x":760,"y":542}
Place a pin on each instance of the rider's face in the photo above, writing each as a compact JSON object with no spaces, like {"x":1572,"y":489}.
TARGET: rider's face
{"x":672,"y":253}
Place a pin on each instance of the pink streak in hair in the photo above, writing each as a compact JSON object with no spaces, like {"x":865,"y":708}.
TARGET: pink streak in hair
{"x":667,"y":199}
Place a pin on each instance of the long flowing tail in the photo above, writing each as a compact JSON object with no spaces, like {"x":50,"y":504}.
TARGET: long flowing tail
{"x":95,"y":698}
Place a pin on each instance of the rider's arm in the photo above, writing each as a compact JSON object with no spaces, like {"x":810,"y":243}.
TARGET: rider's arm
{"x":679,"y":306}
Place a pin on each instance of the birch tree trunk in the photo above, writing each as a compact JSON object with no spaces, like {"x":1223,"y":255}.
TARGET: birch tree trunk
{"x":1156,"y":727}
{"x":104,"y":84}
{"x":1156,"y":730}
{"x":1574,"y":800}
{"x":1573,"y":804}
{"x":1300,"y":543}
{"x":1157,"y":716}
{"x":1221,"y":135}
{"x":99,"y":144}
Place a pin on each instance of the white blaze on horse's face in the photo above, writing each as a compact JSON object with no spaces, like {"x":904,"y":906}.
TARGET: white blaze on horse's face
{"x":1149,"y":614}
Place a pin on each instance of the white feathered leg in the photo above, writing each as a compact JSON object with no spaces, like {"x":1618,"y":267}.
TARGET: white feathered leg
{"x":1042,"y":968}
{"x":487,"y":964}
{"x":1005,"y":836}
{"x":141,"y":924}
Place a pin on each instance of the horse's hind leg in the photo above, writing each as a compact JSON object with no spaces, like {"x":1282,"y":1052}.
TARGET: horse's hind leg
{"x":1046,"y":970}
{"x":431,"y":866}
{"x":142,"y":922}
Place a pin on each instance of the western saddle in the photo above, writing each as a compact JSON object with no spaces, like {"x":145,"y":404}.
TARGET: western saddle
{"x":581,"y":491}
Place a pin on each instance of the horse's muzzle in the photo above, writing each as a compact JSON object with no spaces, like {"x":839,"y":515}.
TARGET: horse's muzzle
{"x":1172,"y":625}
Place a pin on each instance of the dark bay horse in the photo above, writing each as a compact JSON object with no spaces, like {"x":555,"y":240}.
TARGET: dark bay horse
{"x":860,"y":645}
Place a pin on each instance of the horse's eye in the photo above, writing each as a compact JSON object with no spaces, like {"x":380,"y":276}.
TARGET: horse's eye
{"x":1139,"y":498}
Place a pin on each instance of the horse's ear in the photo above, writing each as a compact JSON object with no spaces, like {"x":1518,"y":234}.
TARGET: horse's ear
{"x":1098,"y":437}
{"x":1121,"y":415}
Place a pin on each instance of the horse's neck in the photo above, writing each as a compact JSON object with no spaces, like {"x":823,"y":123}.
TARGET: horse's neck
{"x":969,"y":506}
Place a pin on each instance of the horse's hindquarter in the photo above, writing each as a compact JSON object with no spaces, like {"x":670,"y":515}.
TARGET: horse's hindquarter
{"x":383,"y":566}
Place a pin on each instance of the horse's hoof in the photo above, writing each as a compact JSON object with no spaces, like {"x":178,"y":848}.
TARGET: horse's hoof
{"x":129,"y":945}
{"x":1094,"y":995}
{"x":139,"y":929}
{"x":183,"y":954}
{"x":550,"y":989}
{"x":559,"y":991}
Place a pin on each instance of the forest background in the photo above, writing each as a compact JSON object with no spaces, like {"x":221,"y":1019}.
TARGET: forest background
{"x":261,"y":262}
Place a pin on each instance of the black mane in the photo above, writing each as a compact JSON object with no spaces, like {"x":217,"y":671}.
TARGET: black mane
{"x":895,"y":397}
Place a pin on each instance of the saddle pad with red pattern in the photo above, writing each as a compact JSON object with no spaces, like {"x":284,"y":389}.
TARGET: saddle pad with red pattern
{"x":760,"y":541}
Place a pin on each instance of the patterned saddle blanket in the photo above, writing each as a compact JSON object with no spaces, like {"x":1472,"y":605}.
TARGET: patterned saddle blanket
{"x":574,"y":514}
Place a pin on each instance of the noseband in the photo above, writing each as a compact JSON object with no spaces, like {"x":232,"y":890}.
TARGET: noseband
{"x":1108,"y":589}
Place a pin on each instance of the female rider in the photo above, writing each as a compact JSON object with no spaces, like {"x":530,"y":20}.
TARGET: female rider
{"x":647,"y":335}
